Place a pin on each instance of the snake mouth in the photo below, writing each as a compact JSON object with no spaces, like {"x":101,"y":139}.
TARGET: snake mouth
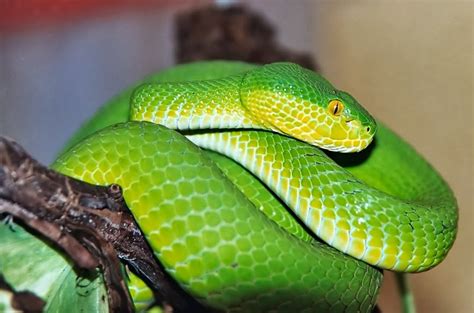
{"x":344,"y":145}
{"x":344,"y":135}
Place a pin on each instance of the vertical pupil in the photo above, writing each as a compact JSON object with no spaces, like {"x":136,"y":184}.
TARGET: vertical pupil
{"x":336,"y":107}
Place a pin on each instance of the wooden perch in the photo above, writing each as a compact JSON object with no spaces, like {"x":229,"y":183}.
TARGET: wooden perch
{"x":91,"y":224}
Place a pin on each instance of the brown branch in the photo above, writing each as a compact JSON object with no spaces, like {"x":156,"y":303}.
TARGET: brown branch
{"x":232,"y":33}
{"x":90,"y":224}
{"x":78,"y":254}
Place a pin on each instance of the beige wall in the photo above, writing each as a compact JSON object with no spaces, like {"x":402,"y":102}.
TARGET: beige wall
{"x":411,"y":64}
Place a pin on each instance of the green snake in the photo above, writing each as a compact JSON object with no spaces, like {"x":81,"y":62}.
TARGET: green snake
{"x":219,"y":164}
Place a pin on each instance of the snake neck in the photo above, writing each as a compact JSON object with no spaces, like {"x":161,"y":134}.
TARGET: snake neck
{"x":193,"y":105}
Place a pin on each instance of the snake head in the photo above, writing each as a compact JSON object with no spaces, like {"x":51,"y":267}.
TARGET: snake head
{"x":295,"y":101}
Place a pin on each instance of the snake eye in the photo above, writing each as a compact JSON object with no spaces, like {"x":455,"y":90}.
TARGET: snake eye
{"x":335,"y":107}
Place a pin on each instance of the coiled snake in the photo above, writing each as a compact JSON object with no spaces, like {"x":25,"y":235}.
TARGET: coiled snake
{"x":240,"y":205}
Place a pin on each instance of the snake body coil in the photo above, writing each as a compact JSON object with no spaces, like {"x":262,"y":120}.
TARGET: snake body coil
{"x":225,"y":227}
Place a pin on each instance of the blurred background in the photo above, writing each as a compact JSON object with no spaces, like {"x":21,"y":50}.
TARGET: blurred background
{"x":410,"y":63}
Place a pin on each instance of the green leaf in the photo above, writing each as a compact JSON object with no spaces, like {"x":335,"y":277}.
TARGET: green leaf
{"x":28,"y":263}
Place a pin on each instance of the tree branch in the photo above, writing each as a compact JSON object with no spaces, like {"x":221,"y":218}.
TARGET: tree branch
{"x":91,"y":224}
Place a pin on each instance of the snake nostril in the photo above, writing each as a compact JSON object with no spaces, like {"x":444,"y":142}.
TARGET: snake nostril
{"x":368,"y":129}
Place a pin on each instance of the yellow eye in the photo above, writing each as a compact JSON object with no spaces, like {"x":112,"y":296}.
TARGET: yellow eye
{"x":335,"y":107}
